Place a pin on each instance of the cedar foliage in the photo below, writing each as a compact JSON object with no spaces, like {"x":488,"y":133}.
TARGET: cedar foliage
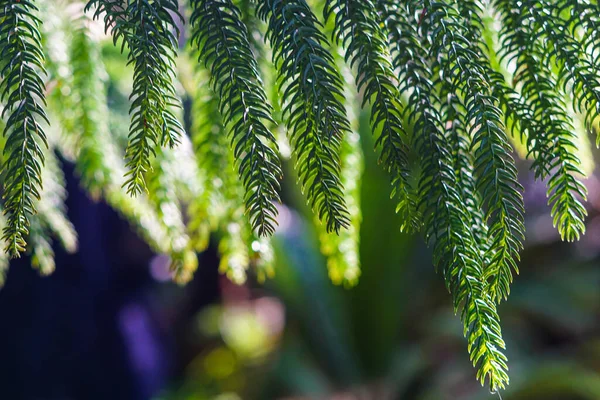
{"x":449,"y":85}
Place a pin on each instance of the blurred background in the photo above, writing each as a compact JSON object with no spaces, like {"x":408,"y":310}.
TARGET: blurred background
{"x":109,"y":324}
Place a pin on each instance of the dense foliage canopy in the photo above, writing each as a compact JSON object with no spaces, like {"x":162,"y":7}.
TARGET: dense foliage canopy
{"x":452,"y":86}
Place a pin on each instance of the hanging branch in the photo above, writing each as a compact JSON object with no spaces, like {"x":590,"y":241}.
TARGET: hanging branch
{"x":221,"y":38}
{"x":550,"y":141}
{"x":148,"y":29}
{"x":357,"y":27}
{"x":448,"y":214}
{"x":311,"y":90}
{"x":22,"y":90}
{"x":494,"y":165}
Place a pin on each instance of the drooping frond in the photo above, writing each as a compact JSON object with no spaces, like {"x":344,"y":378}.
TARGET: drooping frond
{"x":454,"y":117}
{"x":456,"y":129}
{"x":152,"y":44}
{"x":342,"y":249}
{"x":447,"y":214}
{"x":494,"y":165}
{"x":358,"y":28}
{"x":22,"y":92}
{"x":222,"y":40}
{"x":578,"y":55}
{"x":311,"y":90}
{"x":98,"y":160}
{"x":551,"y":133}
{"x":428,"y":114}
{"x":219,"y":208}
{"x":498,"y":275}
{"x":50,"y":220}
{"x":448,"y":223}
{"x":149,"y":30}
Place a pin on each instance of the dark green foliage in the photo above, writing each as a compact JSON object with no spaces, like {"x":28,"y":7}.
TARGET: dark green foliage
{"x":311,"y":88}
{"x":148,"y":29}
{"x":494,"y":166}
{"x":449,"y":209}
{"x":577,"y":64}
{"x":222,"y":39}
{"x":219,"y":208}
{"x":152,"y":45}
{"x":22,"y":91}
{"x":358,"y":29}
{"x":549,"y":128}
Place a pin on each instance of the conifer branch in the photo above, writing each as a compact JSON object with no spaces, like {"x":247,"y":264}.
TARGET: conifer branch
{"x":342,"y":249}
{"x":148,"y":29}
{"x":98,"y":159}
{"x":222,"y":40}
{"x":582,"y":16}
{"x":152,"y":46}
{"x":56,"y":42}
{"x":453,"y":119}
{"x":22,"y":91}
{"x":448,"y":219}
{"x":219,"y":208}
{"x":494,"y":165}
{"x":551,"y":139}
{"x":357,"y":27}
{"x":93,"y":145}
{"x":574,"y":66}
{"x":311,"y":90}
